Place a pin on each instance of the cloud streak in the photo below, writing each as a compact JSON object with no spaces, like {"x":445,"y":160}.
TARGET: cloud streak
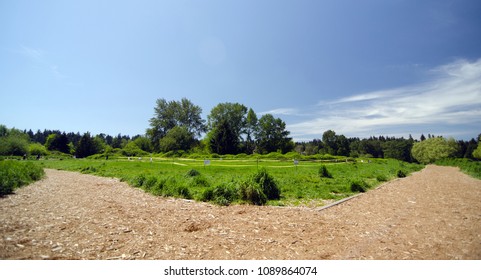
{"x":452,"y":97}
{"x":39,"y":57}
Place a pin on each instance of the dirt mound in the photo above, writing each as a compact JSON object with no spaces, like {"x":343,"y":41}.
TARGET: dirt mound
{"x":433,"y":214}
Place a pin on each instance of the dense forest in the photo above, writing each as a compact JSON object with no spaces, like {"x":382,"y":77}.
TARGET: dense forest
{"x":177,"y":129}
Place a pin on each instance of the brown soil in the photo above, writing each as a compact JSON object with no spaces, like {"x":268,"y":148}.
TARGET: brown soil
{"x":433,"y":214}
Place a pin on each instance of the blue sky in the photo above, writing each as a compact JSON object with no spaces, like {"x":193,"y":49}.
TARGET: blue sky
{"x":360,"y":68}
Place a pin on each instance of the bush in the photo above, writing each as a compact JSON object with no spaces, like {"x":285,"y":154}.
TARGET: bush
{"x":223,"y":194}
{"x":16,"y":174}
{"x":192,"y":173}
{"x":267,"y":184}
{"x":200,"y":181}
{"x":401,"y":173}
{"x":149,"y":182}
{"x":252,"y":193}
{"x":359,"y":186}
{"x":138,"y":180}
{"x":324,"y":173}
{"x":158,"y":187}
{"x":381,"y":178}
{"x":37,"y":149}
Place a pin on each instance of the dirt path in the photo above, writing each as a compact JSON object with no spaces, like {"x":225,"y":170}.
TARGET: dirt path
{"x":433,"y":214}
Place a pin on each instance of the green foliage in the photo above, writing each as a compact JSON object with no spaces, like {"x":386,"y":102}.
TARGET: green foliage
{"x":192,"y":173}
{"x":267,"y":184}
{"x":323,"y":172}
{"x":433,"y":149}
{"x":57,"y":142}
{"x":132,"y":150}
{"x":477,"y":152}
{"x":401,"y":173}
{"x":382,"y":178}
{"x":37,"y":149}
{"x":251,"y":192}
{"x":231,"y":115}
{"x":15,"y":174}
{"x":177,"y":138}
{"x":144,"y":144}
{"x":170,"y":114}
{"x":86,"y":146}
{"x":301,"y":187}
{"x":14,"y":144}
{"x":138,"y":180}
{"x":359,"y":186}
{"x":470,"y":167}
{"x":272,"y":135}
{"x":149,"y":182}
{"x":223,"y":139}
{"x":223,"y":194}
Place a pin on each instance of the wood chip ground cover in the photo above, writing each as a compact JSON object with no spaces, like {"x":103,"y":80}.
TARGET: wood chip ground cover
{"x":432,"y":214}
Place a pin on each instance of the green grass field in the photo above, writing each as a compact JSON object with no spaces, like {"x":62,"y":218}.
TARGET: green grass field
{"x":299,"y":185}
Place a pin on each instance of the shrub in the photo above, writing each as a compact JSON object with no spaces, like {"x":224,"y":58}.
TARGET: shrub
{"x":359,"y":186}
{"x":200,"y":181}
{"x":324,"y":173}
{"x":88,"y":169}
{"x":381,"y":178}
{"x":149,"y":182}
{"x":37,"y":149}
{"x":138,"y":180}
{"x":223,"y":194}
{"x":192,"y":173}
{"x":16,"y":174}
{"x":267,"y":184}
{"x":252,"y":193}
{"x":401,"y":173}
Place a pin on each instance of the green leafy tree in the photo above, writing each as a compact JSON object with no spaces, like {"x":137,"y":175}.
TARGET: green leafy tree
{"x":223,"y":139}
{"x":144,"y":144}
{"x":178,"y":138}
{"x":477,"y":152}
{"x":86,"y":146}
{"x":434,"y":148}
{"x":37,"y":149}
{"x":13,"y":142}
{"x":250,"y":130}
{"x":170,"y":114}
{"x":398,"y":149}
{"x":329,"y":138}
{"x":234,"y":114}
{"x":57,"y":142}
{"x":272,"y":135}
{"x":131,"y":150}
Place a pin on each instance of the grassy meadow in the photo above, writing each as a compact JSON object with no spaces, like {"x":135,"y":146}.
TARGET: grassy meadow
{"x":224,"y":181}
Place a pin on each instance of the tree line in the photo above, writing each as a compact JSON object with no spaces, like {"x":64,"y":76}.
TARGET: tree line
{"x":177,"y":128}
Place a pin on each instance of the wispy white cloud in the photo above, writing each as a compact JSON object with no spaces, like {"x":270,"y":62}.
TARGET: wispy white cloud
{"x":34,"y":54}
{"x":281,"y":111}
{"x":38,"y":56}
{"x":451,"y":97}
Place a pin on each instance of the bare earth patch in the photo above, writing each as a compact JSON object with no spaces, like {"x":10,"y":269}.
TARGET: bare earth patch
{"x":433,"y":214}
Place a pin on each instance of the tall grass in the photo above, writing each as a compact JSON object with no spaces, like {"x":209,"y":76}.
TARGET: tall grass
{"x":470,"y":167}
{"x":248,"y":180}
{"x":14,"y":174}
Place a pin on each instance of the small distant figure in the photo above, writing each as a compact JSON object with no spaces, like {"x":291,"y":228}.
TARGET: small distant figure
{"x":38,"y":156}
{"x":150,"y":159}
{"x":129,"y":158}
{"x":24,"y":156}
{"x":106,"y":157}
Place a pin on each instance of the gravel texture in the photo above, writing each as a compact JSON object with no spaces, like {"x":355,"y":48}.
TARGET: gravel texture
{"x":432,"y":214}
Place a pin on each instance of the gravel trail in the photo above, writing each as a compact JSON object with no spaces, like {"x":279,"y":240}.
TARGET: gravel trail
{"x":432,"y":214}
